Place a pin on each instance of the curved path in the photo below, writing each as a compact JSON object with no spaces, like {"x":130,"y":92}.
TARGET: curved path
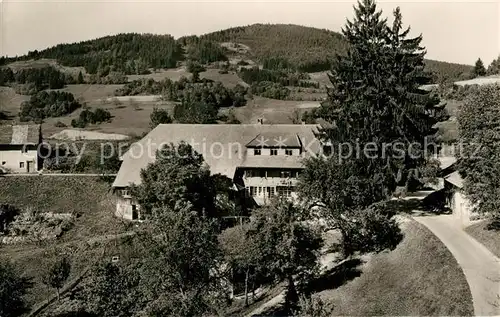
{"x":480,"y":266}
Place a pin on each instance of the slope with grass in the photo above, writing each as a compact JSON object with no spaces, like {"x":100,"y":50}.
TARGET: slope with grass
{"x":489,"y":237}
{"x":420,"y":277}
{"x":88,"y":196}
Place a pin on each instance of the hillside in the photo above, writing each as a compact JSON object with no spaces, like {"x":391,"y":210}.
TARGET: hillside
{"x":129,"y":53}
{"x":306,"y":48}
{"x":302,"y":48}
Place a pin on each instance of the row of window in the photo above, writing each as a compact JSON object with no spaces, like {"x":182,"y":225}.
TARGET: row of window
{"x":274,"y":152}
{"x":285,"y":191}
{"x":272,"y":173}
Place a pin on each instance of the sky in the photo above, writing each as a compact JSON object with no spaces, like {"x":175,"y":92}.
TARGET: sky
{"x":453,"y":31}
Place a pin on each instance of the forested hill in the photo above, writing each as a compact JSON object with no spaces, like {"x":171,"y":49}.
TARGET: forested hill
{"x":128,"y":53}
{"x":305,"y":48}
{"x":309,"y":49}
{"x":280,"y":46}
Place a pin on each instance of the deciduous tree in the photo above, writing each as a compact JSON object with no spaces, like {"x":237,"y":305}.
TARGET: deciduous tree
{"x":159,"y":116}
{"x":13,"y":288}
{"x":57,"y":274}
{"x":112,"y":291}
{"x":183,"y":266}
{"x":478,"y":159}
{"x":287,"y":248}
{"x":178,"y":179}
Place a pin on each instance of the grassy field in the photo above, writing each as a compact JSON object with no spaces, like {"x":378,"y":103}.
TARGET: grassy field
{"x":420,"y":277}
{"x":44,"y":62}
{"x":10,"y":101}
{"x":321,"y":78}
{"x":129,"y":118}
{"x":272,"y":111}
{"x":87,"y":196}
{"x":489,"y":238}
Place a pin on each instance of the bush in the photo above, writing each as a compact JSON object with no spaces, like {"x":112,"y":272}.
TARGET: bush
{"x":88,"y":117}
{"x":59,"y":124}
{"x":195,"y":112}
{"x":159,"y":116}
{"x":7,"y":215}
{"x":194,"y":67}
{"x":44,"y":105}
{"x":370,"y":230}
{"x":270,"y":90}
{"x":242,"y":63}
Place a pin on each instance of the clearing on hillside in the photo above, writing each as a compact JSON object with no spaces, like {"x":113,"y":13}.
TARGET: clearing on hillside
{"x":272,"y":111}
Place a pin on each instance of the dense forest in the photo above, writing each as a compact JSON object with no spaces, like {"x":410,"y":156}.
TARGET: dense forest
{"x":129,"y":53}
{"x":303,"y":48}
{"x":32,"y":80}
{"x":308,"y":49}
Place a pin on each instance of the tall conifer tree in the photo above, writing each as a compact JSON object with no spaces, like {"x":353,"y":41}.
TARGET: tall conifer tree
{"x":376,"y":103}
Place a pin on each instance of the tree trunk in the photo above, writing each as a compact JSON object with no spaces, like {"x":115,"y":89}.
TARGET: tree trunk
{"x":246,"y":286}
{"x":291,"y":297}
{"x":58,"y":295}
{"x":253,"y":291}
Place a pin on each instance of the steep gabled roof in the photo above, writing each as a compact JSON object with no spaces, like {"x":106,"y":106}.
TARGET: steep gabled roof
{"x":223,"y":147}
{"x":19,"y":134}
{"x":446,"y":161}
{"x":455,"y":179}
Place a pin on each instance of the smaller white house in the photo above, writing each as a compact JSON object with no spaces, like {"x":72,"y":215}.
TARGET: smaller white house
{"x":457,"y":201}
{"x":19,"y":146}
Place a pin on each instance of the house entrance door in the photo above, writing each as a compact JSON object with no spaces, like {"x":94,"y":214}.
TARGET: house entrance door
{"x":29,"y":167}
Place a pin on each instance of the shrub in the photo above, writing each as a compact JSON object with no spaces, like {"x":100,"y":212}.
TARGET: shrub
{"x":88,"y":117}
{"x":7,"y":215}
{"x":59,"y":124}
{"x":159,"y":116}
{"x":242,"y":63}
{"x":270,"y":90}
{"x":44,"y":105}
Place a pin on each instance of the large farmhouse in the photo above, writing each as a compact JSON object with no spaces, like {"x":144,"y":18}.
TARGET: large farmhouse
{"x":264,"y":160}
{"x":19,"y":148}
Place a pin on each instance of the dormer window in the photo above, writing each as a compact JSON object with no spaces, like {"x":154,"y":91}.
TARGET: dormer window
{"x":256,"y":151}
{"x":288,"y":152}
{"x":274,"y":152}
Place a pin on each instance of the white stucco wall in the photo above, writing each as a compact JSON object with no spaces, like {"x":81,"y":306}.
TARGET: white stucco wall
{"x":11,"y":159}
{"x":124,"y":209}
{"x":461,"y":208}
